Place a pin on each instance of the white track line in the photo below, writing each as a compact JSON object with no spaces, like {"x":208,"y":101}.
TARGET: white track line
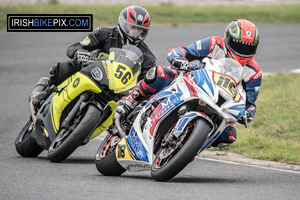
{"x":249,"y":165}
{"x":295,"y":71}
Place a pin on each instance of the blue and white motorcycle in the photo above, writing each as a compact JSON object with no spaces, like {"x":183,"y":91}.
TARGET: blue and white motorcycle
{"x":166,"y":132}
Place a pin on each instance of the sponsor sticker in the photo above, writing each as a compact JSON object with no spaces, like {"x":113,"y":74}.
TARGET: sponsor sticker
{"x":140,"y":17}
{"x":76,"y":83}
{"x":161,"y":71}
{"x":213,"y":43}
{"x":198,"y":44}
{"x":257,"y":89}
{"x":85,"y":41}
{"x":97,"y":74}
{"x":256,"y":76}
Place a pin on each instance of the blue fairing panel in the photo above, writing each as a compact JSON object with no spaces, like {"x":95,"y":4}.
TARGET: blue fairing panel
{"x":137,"y":146}
{"x":202,"y":78}
{"x":240,"y":109}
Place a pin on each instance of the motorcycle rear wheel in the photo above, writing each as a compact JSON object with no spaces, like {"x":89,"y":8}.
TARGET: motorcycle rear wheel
{"x":106,"y":161}
{"x":26,"y":146}
{"x":166,"y":168}
{"x":67,"y":141}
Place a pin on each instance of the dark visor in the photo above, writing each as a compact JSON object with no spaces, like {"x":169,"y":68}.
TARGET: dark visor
{"x":240,"y":48}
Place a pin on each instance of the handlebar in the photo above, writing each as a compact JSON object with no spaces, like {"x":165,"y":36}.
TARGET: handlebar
{"x":191,"y":67}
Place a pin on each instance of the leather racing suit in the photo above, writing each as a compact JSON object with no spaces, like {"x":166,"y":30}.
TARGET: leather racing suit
{"x":101,"y":40}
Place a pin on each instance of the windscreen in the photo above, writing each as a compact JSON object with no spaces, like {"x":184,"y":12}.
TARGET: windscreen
{"x":231,"y":67}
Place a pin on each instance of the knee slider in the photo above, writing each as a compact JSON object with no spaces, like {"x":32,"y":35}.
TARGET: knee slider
{"x":151,"y":75}
{"x":54,"y":70}
{"x":62,"y":70}
{"x":54,"y":79}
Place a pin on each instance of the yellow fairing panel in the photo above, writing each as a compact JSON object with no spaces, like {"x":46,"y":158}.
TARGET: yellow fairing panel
{"x":120,"y":77}
{"x":69,"y":90}
{"x":122,"y":151}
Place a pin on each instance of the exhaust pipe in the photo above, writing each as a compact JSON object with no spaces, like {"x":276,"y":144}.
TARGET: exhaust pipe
{"x":39,"y":87}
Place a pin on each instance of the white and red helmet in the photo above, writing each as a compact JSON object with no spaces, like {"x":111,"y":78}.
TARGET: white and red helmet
{"x":241,"y":40}
{"x":134,"y":24}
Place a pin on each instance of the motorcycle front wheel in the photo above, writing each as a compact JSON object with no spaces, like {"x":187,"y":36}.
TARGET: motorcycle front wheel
{"x":68,"y":140}
{"x":166,"y":167}
{"x":26,"y":146}
{"x":106,"y":161}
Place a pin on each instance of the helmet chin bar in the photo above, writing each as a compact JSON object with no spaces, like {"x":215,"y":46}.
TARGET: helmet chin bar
{"x":241,"y":60}
{"x":131,"y":40}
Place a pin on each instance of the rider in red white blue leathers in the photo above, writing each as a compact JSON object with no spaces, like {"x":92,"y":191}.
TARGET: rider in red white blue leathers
{"x":240,"y":42}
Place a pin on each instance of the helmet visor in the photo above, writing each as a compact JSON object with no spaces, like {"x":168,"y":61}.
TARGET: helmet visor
{"x":136,"y":32}
{"x":241,"y":48}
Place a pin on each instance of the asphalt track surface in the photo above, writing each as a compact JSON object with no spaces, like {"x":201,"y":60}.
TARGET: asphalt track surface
{"x":25,"y":57}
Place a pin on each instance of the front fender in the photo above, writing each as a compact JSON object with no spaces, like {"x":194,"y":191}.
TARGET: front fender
{"x":106,"y":119}
{"x":186,"y":118}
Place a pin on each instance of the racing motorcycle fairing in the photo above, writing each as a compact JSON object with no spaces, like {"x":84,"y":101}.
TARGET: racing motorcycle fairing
{"x":55,"y":109}
{"x":115,"y":75}
{"x":74,"y":86}
{"x":44,"y":131}
{"x":222,"y":86}
{"x":81,"y":106}
{"x":131,"y":154}
{"x":216,"y":93}
{"x":140,"y":141}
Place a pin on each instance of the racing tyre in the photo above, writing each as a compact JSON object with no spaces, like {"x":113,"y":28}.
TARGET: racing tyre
{"x":166,"y":167}
{"x":26,"y":146}
{"x":68,"y":140}
{"x":106,"y":161}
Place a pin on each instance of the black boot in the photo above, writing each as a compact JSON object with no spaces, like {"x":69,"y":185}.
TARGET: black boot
{"x":127,"y":104}
{"x":42,"y":96}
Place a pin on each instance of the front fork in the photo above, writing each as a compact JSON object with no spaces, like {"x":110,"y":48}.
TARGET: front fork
{"x":83,"y":97}
{"x":181,"y":125}
{"x":186,"y":118}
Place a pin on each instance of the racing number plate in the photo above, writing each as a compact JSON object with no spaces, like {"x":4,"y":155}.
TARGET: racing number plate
{"x":228,"y":84}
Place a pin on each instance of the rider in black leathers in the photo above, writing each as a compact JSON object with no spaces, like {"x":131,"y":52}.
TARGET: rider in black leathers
{"x":132,"y":30}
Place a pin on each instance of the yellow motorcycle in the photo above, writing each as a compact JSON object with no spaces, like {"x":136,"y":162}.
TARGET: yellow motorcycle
{"x":81,"y":108}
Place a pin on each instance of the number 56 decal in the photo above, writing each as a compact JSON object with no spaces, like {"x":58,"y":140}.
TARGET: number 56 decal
{"x":228,"y":84}
{"x":123,"y":74}
{"x":120,"y":77}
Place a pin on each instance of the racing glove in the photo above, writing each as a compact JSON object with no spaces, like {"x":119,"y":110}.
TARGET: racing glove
{"x":197,"y":65}
{"x":180,"y":63}
{"x":83,"y":56}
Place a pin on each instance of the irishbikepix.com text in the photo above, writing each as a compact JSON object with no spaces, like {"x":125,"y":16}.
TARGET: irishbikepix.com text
{"x":28,"y":23}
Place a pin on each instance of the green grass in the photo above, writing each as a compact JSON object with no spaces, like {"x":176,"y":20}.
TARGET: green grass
{"x":166,"y":14}
{"x":275,"y":132}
